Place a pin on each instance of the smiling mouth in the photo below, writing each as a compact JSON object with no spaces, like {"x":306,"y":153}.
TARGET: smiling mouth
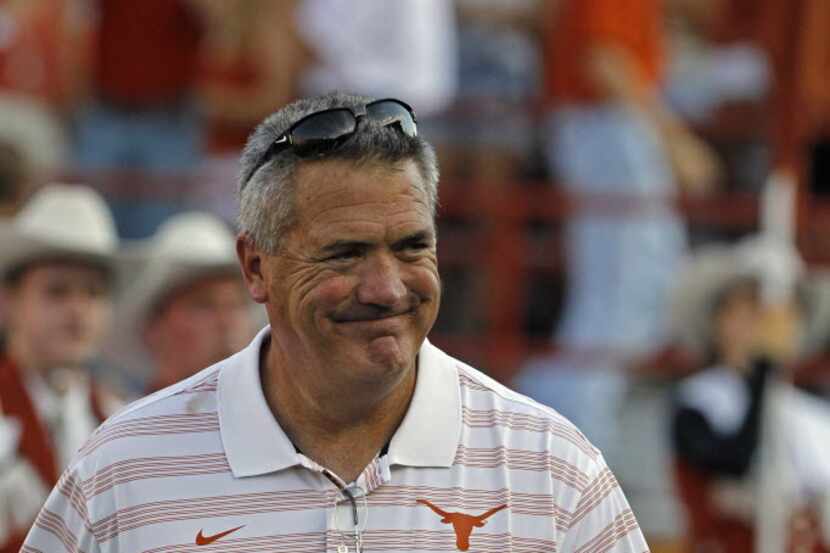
{"x":375,"y":319}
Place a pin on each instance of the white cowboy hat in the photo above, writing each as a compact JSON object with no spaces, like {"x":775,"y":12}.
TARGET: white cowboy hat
{"x":59,"y":221}
{"x":776,"y":265}
{"x":185,"y":248}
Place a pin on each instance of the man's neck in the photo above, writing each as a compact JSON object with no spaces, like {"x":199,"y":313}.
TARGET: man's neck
{"x":342,"y":434}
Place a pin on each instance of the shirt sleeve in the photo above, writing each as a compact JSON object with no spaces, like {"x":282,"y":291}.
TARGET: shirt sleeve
{"x":603,"y":520}
{"x":63,"y":524}
{"x":702,"y":446}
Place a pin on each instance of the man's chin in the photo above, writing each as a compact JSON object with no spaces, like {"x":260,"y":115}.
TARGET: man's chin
{"x":387,"y":351}
{"x":379,"y":357}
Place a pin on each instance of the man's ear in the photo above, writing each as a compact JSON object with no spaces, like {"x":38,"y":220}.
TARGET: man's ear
{"x":250,"y":260}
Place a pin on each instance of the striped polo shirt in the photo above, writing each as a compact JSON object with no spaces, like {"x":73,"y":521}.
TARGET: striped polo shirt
{"x":203,"y":466}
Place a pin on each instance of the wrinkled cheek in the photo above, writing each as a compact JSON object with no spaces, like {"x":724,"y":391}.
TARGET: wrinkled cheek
{"x":331,"y":292}
{"x":427,"y":286}
{"x":325,"y":298}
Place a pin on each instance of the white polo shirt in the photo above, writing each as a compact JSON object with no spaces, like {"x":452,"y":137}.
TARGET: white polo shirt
{"x":203,"y":466}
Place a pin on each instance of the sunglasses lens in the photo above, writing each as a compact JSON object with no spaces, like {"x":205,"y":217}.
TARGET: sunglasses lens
{"x":317,"y":132}
{"x":389,"y":112}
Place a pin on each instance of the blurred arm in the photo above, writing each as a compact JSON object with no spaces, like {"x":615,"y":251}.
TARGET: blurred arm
{"x":616,"y":76}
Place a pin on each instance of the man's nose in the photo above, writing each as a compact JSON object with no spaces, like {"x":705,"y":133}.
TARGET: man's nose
{"x":381,"y":282}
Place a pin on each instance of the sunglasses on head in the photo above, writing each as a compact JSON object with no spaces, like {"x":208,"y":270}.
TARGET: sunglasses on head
{"x":321,"y":132}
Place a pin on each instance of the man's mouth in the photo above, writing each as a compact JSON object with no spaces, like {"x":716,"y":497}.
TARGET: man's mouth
{"x":346,"y":319}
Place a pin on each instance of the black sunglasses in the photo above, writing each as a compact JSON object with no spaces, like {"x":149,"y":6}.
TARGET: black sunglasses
{"x":321,"y":132}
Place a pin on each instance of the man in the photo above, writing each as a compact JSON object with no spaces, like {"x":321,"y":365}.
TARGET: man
{"x":141,"y":119}
{"x":340,"y":427}
{"x":188,"y":304}
{"x":55,"y":262}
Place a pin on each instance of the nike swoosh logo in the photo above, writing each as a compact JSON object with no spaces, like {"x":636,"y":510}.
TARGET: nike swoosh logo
{"x":201,"y":539}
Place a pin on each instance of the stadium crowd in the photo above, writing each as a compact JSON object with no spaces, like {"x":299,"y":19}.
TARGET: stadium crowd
{"x":691,"y":352}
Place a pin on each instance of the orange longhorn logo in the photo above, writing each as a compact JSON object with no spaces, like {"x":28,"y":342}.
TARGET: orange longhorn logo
{"x":462,"y":523}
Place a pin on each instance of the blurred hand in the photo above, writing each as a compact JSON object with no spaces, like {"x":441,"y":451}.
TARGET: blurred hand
{"x":696,"y":166}
{"x":778,"y":333}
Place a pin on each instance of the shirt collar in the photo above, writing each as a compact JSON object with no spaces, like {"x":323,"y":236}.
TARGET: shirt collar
{"x":255,"y":444}
{"x":431,"y":429}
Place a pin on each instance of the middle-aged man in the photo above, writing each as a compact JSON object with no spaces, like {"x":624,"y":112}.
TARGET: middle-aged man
{"x":339,"y":428}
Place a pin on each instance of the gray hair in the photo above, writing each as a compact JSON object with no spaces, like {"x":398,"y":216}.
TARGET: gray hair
{"x":266,"y":194}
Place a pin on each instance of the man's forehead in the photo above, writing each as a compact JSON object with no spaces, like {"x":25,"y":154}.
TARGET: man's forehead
{"x":340,"y":190}
{"x":347,"y":177}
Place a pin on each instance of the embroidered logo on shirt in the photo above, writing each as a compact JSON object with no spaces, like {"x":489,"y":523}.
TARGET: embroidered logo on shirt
{"x":462,"y":523}
{"x":201,"y":539}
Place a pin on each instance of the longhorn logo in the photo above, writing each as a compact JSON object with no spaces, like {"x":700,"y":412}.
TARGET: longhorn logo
{"x":462,"y":523}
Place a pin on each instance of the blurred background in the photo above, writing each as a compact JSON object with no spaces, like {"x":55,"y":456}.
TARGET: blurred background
{"x":594,"y":154}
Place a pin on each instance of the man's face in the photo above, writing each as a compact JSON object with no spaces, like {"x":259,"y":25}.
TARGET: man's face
{"x":59,"y":312}
{"x":200,"y":323}
{"x":354,"y":288}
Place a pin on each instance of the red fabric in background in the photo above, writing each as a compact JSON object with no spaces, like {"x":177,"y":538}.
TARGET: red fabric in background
{"x":240,"y":75}
{"x":635,"y":26}
{"x":146,"y":52}
{"x":30,"y":51}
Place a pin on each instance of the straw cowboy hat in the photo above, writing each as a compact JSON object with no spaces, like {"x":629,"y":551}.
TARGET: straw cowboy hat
{"x":185,"y":248}
{"x":59,"y":221}
{"x":776,"y":265}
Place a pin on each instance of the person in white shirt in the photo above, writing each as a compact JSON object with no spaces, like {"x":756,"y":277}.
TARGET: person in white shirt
{"x":406,"y":47}
{"x":340,"y":427}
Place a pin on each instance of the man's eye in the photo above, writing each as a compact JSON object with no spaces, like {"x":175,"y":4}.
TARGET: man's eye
{"x":414,"y":247}
{"x":344,"y":255}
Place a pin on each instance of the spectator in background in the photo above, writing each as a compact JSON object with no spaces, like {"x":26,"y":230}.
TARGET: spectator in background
{"x":251,"y":59}
{"x":55,"y":260}
{"x":405,"y":48}
{"x":142,"y":114}
{"x":44,"y":46}
{"x":13,"y":179}
{"x":723,"y":414}
{"x":187,"y":304}
{"x":33,"y":147}
{"x":488,"y":133}
{"x":621,"y":154}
